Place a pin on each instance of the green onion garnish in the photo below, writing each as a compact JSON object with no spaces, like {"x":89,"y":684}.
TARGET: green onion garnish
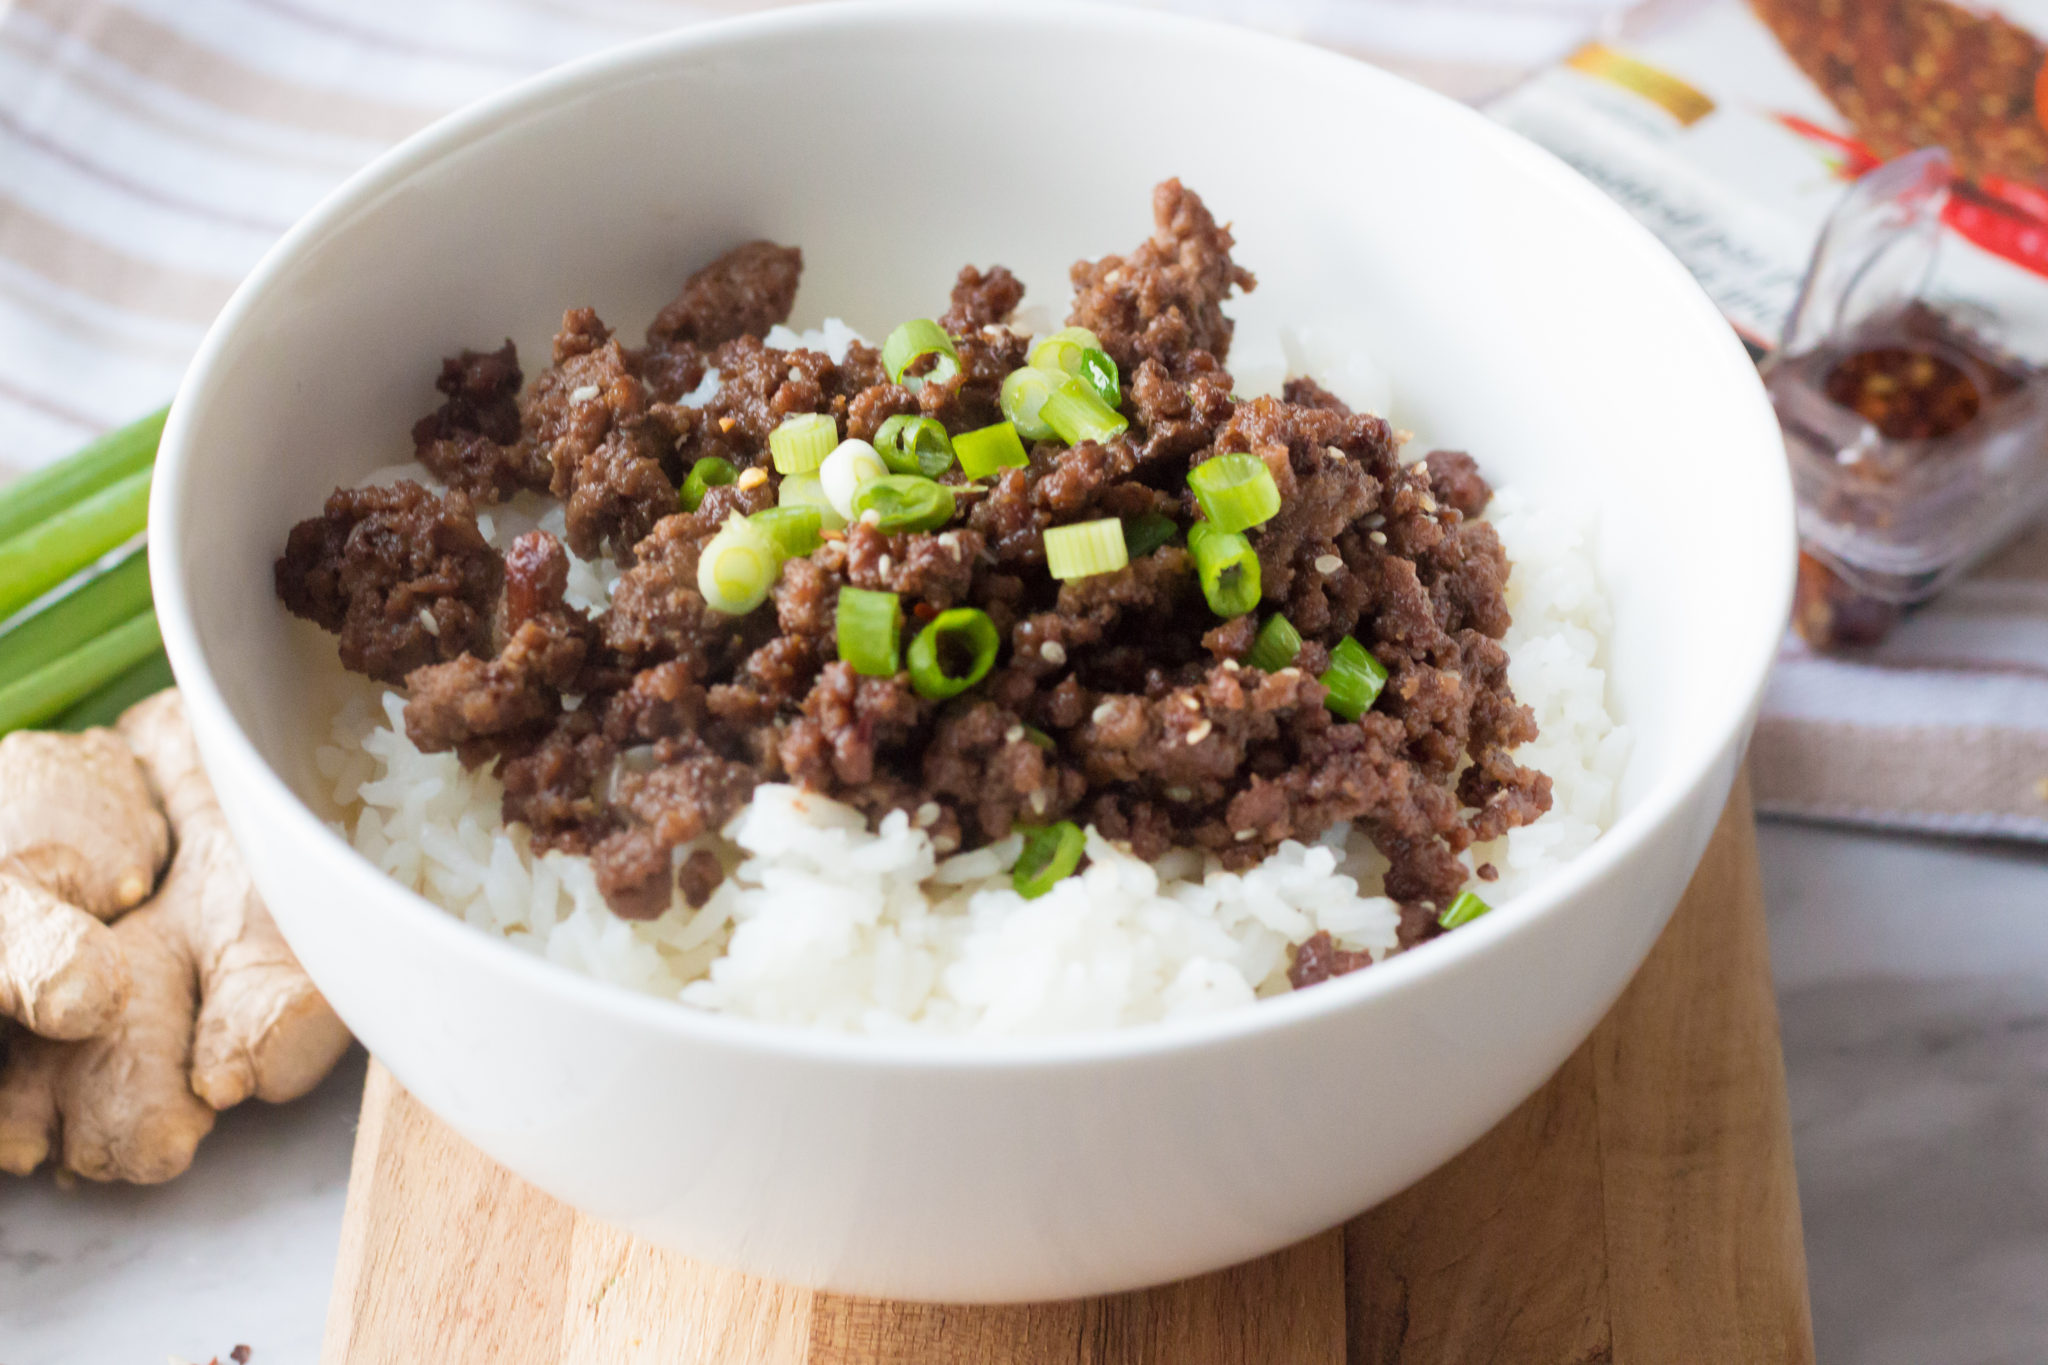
{"x":1466,"y":908}
{"x":1051,"y":853}
{"x":1040,"y":738}
{"x":913,"y":341}
{"x":1085,"y":549}
{"x":1228,"y":566}
{"x":870,"y":624}
{"x":738,"y":567}
{"x":953,"y":653}
{"x":1023,"y":397}
{"x":803,"y":441}
{"x":808,"y":490}
{"x":1144,"y":534}
{"x":903,"y":502}
{"x":1098,"y":372}
{"x":1354,"y":678}
{"x":792,"y":526}
{"x":705,"y":475}
{"x":1276,"y":646}
{"x":984,"y":452}
{"x":1061,"y":352}
{"x":915,"y":445}
{"x":1236,"y":492}
{"x":851,"y":466}
{"x":1076,"y":414}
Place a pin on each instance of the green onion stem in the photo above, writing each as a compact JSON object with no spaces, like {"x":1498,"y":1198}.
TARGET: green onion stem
{"x":903,"y":502}
{"x":738,"y":567}
{"x":870,"y":628}
{"x":1145,"y":533}
{"x":793,"y":527}
{"x":35,"y":498}
{"x":989,"y":449}
{"x":1228,"y":566}
{"x":953,"y":653}
{"x":914,"y":445}
{"x":1085,"y":548}
{"x":1076,"y":414}
{"x":1277,"y":644}
{"x":1466,"y":908}
{"x":1023,"y":397}
{"x":1354,"y":679}
{"x":91,"y":609}
{"x":105,"y":706}
{"x":1051,"y":853}
{"x":46,"y":693}
{"x":1237,"y":491}
{"x":912,"y":342}
{"x":708,"y":473}
{"x":49,"y":552}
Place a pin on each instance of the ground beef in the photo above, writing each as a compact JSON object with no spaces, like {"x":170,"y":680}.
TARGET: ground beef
{"x":743,"y":293}
{"x":1319,"y":958}
{"x":1119,"y":700}
{"x":401,"y":574}
{"x":1165,"y":299}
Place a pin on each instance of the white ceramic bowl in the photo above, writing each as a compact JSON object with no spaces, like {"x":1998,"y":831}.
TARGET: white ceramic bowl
{"x":1521,"y":315}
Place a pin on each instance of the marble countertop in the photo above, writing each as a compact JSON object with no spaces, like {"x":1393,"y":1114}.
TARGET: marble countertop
{"x":1913,"y":984}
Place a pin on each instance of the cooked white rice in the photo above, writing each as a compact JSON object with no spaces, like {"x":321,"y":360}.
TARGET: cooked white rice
{"x":824,"y":923}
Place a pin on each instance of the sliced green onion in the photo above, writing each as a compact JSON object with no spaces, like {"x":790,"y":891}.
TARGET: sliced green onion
{"x":705,"y":475}
{"x":1354,"y":679}
{"x":953,"y":653}
{"x":36,"y":497}
{"x":1228,"y":566}
{"x":1466,"y":908}
{"x":1051,"y":853}
{"x":47,"y":693}
{"x":870,"y":625}
{"x":1023,"y":397}
{"x":984,"y":452}
{"x":1098,"y":372}
{"x":803,"y":441}
{"x":1236,"y":492}
{"x":1144,"y":534}
{"x":850,"y":467}
{"x":1040,"y":738}
{"x":738,"y":567}
{"x":1276,"y":646}
{"x":913,"y":341}
{"x":85,"y":612}
{"x":792,"y":526}
{"x":808,"y":490}
{"x":1061,"y":352}
{"x":51,"y":551}
{"x":915,"y":445}
{"x":903,"y":502}
{"x":1076,"y":414}
{"x":105,"y":706}
{"x":1085,"y":549}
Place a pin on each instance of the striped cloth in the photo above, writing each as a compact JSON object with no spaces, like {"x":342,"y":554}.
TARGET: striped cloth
{"x":150,"y":150}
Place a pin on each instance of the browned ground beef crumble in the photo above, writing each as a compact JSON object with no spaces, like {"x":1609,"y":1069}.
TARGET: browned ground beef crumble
{"x":1160,"y":735}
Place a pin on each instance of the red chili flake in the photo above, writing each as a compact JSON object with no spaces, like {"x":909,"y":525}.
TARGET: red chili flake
{"x":1907,"y":394}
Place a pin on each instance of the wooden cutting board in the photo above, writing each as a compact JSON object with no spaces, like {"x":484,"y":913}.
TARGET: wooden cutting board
{"x":1641,"y":1207}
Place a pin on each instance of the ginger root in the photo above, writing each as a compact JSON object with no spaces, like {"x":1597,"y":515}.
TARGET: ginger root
{"x":81,"y":840}
{"x":217,"y":1008}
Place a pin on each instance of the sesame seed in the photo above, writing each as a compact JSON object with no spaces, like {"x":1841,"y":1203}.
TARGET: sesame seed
{"x":571,"y":702}
{"x":1190,"y":702}
{"x":1200,"y":732}
{"x":1403,"y":436}
{"x":1053,"y":652}
{"x":1231,"y":665}
{"x":831,"y":535}
{"x":1038,"y":802}
{"x":1013,"y":734}
{"x":1421,"y":466}
{"x":1104,"y":710}
{"x":928,"y":815}
{"x":1428,"y":503}
{"x":1332,"y":453}
{"x":1288,"y":672}
{"x":1375,"y":520}
{"x":1245,"y":836}
{"x":1329,"y":563}
{"x":951,"y":540}
{"x":584,"y":394}
{"x":753,"y":478}
{"x":885,"y":565}
{"x":428,"y":623}
{"x":795,"y":373}
{"x":1179,"y":794}
{"x":1377,"y":537}
{"x":945,"y":843}
{"x":871,"y":517}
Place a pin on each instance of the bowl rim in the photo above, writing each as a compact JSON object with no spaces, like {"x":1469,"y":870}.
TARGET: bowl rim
{"x":1747,"y":660}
